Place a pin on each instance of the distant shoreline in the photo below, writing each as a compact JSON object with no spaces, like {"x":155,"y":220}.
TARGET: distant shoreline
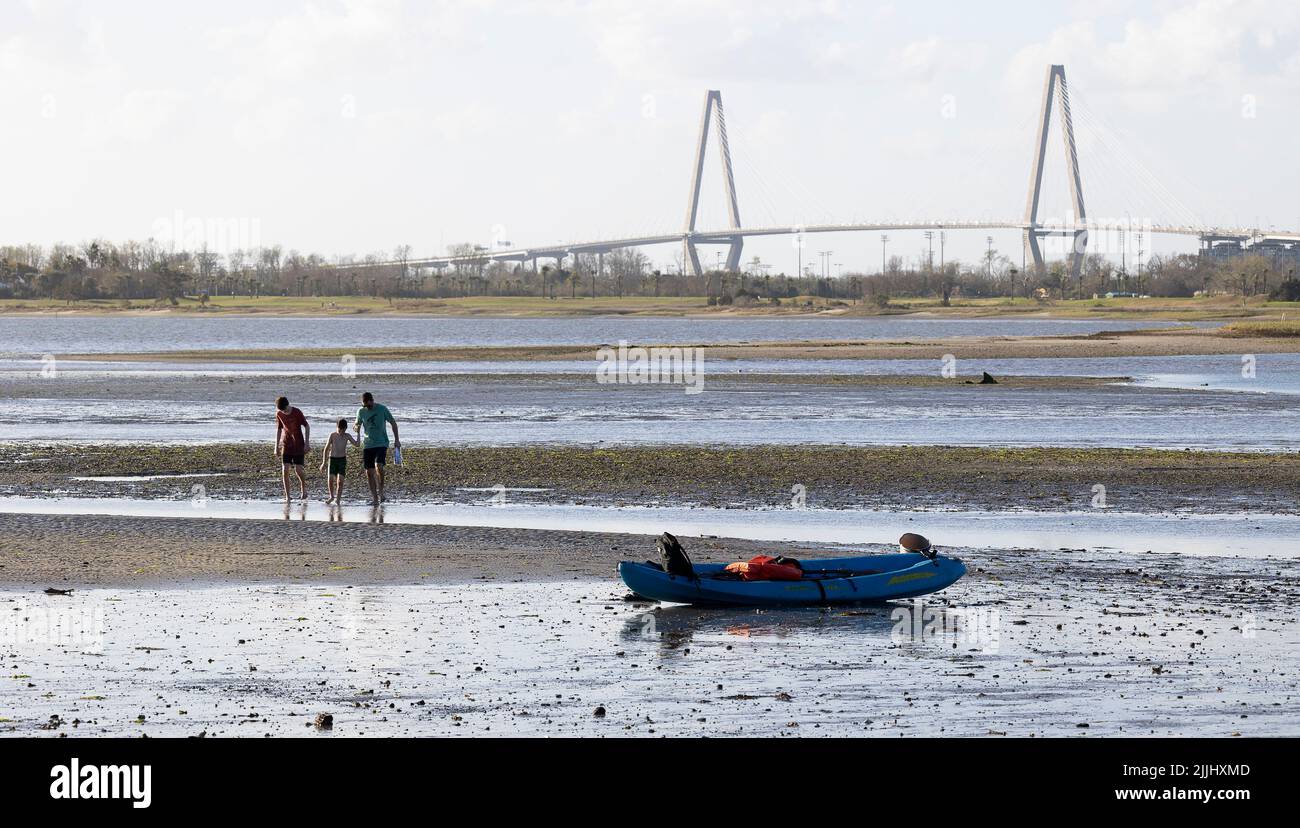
{"x":1173,"y":342}
{"x":1218,"y":308}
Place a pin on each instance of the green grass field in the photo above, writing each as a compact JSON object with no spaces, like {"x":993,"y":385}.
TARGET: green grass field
{"x":1264,"y":328}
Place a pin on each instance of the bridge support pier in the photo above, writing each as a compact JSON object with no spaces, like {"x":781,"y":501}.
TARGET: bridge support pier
{"x":1055,"y":87}
{"x":712,"y":101}
{"x":733,"y":253}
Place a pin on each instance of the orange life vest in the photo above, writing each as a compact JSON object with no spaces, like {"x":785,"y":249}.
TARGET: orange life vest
{"x":764,"y":568}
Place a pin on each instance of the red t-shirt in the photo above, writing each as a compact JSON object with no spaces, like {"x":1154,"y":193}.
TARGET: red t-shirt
{"x":291,"y":439}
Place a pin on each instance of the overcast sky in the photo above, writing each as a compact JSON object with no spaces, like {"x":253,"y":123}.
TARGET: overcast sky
{"x":352,"y":127}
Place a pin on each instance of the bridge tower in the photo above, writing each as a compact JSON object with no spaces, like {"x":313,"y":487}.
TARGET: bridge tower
{"x":1055,"y":87}
{"x":712,"y":101}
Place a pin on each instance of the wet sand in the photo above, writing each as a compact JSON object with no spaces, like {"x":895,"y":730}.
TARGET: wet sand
{"x":1030,"y":643}
{"x":95,"y":550}
{"x":1120,"y":344}
{"x":207,"y":627}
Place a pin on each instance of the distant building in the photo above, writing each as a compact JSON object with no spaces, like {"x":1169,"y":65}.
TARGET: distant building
{"x":1282,"y":251}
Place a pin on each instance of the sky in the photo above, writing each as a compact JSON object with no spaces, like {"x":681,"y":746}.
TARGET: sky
{"x":355,"y":126}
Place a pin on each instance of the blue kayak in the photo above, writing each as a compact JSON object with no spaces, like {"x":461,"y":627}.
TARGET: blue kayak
{"x":869,"y":578}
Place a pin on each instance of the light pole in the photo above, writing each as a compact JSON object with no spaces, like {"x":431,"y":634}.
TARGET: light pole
{"x":799,"y":246}
{"x":825,"y":257}
{"x":988,"y":259}
{"x":929,"y":263}
{"x":1123,"y":250}
{"x":1140,"y":252}
{"x":884,"y":243}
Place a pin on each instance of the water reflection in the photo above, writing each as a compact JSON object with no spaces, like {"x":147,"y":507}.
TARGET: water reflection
{"x":907,"y":624}
{"x":675,"y":626}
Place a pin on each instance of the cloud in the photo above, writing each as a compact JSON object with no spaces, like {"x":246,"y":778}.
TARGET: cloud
{"x":738,"y":40}
{"x":293,"y":45}
{"x":141,"y":114}
{"x":1188,"y":50}
{"x":933,"y":58}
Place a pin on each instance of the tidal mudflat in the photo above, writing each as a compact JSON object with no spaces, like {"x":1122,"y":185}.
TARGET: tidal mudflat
{"x":1041,"y":643}
{"x":1049,"y":478}
{"x":140,"y":489}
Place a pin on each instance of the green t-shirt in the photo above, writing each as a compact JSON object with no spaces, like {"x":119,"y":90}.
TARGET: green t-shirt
{"x":373,"y":422}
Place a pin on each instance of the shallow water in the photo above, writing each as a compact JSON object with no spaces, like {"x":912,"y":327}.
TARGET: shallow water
{"x":987,"y":657}
{"x":1172,"y":402}
{"x":1278,"y":373}
{"x":522,"y":412}
{"x":1244,"y":535}
{"x":32,"y":336}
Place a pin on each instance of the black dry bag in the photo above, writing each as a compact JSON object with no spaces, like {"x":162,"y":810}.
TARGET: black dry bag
{"x":675,"y":559}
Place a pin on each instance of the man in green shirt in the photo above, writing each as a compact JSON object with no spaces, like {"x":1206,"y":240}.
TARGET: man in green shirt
{"x":375,"y":419}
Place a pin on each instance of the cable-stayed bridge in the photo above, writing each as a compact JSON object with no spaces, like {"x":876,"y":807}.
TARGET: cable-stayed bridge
{"x":1075,"y":228}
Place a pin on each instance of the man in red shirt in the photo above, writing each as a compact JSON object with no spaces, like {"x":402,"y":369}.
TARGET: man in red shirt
{"x":291,"y":443}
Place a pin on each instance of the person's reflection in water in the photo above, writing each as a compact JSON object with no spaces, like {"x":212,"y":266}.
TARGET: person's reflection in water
{"x":376,"y":514}
{"x":336,"y":514}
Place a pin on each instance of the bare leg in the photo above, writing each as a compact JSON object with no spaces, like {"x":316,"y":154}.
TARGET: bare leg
{"x":374,"y":491}
{"x":302,"y":482}
{"x":338,"y":490}
{"x":284,"y":478}
{"x":380,"y":469}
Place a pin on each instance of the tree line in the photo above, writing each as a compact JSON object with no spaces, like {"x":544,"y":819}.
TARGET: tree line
{"x":149,"y":271}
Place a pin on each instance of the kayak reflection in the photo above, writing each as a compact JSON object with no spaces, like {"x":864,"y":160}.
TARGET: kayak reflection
{"x":675,"y":626}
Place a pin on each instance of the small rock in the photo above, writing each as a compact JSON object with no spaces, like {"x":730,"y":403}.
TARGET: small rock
{"x":324,"y":721}
{"x":599,"y":712}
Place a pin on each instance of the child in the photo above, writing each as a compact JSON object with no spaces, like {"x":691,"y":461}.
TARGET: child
{"x":336,"y":452}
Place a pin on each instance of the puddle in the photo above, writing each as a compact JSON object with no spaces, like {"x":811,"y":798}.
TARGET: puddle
{"x":534,"y":659}
{"x":1233,"y":535}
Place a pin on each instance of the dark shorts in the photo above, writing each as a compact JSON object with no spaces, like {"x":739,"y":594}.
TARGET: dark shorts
{"x":339,"y":465}
{"x":292,"y":459}
{"x":374,"y":456}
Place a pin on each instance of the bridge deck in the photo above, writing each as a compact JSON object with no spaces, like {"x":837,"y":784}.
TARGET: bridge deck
{"x":725,"y":236}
